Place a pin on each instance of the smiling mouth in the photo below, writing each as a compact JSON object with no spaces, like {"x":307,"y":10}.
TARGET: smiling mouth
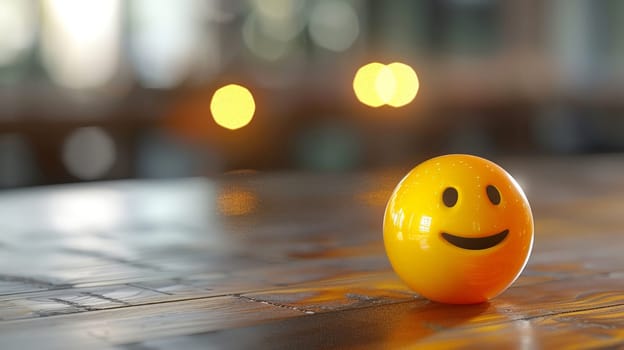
{"x":475,"y":243}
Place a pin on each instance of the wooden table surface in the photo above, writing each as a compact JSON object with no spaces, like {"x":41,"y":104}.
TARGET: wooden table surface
{"x":291,"y":260}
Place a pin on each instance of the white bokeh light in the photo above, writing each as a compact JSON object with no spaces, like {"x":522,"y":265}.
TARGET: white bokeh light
{"x":89,"y":153}
{"x":272,"y":28}
{"x":17,"y":29}
{"x":280,"y":20}
{"x":334,"y":25}
{"x":170,"y":41}
{"x":260,"y":44}
{"x":80,"y":41}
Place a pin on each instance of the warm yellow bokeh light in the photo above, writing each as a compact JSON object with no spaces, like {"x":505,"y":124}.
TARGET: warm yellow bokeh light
{"x":385,"y":84}
{"x":406,"y":84}
{"x":232,"y":106}
{"x":365,"y":84}
{"x":376,"y":84}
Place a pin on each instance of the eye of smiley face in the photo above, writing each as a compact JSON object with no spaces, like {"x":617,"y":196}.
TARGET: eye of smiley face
{"x":449,"y":197}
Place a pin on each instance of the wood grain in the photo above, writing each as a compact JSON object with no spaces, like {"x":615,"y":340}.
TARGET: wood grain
{"x":294,"y":260}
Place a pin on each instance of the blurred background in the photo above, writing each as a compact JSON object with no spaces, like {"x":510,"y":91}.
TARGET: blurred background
{"x":109,"y":89}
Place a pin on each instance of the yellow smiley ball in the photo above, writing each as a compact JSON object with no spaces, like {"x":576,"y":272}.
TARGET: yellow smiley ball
{"x":458,"y":229}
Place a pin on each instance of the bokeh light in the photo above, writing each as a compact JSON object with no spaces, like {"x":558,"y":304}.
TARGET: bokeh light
{"x":89,"y":153}
{"x":232,"y":106}
{"x":170,"y":39}
{"x":271,"y":29}
{"x":261,"y":45}
{"x":406,"y":84}
{"x":376,"y":84}
{"x":365,"y":84}
{"x":81,"y":42}
{"x":385,"y":84}
{"x":17,"y":29}
{"x":334,"y":25}
{"x":279,"y":19}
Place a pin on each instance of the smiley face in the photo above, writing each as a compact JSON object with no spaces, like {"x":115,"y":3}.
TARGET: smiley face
{"x":449,"y":197}
{"x":458,"y":229}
